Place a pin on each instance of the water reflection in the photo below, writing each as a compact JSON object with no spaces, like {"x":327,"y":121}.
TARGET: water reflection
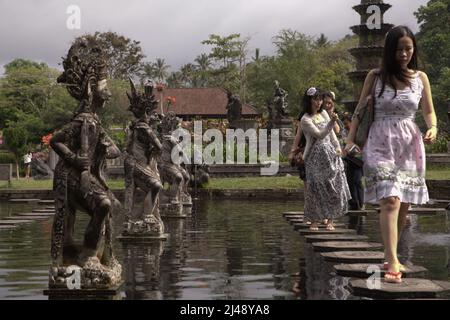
{"x":223,"y":250}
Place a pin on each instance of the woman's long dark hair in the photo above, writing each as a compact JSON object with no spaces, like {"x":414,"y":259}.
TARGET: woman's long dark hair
{"x":306,"y":101}
{"x":390,"y":68}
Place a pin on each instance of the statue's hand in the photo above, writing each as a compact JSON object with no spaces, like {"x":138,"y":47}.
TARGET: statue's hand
{"x":82,"y":163}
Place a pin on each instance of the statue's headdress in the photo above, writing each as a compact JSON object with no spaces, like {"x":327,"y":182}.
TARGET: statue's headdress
{"x":85,"y":63}
{"x":170,"y":122}
{"x":142,"y":103}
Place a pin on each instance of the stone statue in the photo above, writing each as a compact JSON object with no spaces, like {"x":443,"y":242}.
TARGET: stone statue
{"x":83,"y":146}
{"x":40,"y":170}
{"x":234,"y":108}
{"x":142,"y":149}
{"x":280,"y":101}
{"x":169,"y":171}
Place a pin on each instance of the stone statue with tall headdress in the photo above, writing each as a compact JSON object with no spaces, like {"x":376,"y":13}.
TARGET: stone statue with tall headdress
{"x":83,"y":147}
{"x":141,"y":171}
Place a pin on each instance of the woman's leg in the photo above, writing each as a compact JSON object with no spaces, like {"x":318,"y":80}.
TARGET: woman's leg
{"x":389,"y":230}
{"x":403,"y":213}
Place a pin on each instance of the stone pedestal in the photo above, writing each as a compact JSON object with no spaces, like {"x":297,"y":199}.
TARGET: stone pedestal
{"x":149,"y":229}
{"x":243,"y":124}
{"x":94,"y":280}
{"x":172,"y":210}
{"x":287,"y":135}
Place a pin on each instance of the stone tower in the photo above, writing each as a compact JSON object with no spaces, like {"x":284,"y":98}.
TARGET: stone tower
{"x":371,"y":32}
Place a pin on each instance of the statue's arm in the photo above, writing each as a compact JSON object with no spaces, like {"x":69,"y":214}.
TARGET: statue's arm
{"x":154,"y":139}
{"x":61,"y":140}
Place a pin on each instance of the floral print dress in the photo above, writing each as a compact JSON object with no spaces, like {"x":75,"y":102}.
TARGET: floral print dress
{"x":327,"y":192}
{"x":394,"y":154}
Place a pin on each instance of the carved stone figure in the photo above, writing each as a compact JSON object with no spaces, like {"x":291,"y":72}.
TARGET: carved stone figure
{"x":280,"y":101}
{"x":142,"y":149}
{"x":234,"y":109}
{"x":169,"y":171}
{"x":83,"y":146}
{"x":40,"y":170}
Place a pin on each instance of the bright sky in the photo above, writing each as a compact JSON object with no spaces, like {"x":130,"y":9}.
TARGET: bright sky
{"x":174,"y":29}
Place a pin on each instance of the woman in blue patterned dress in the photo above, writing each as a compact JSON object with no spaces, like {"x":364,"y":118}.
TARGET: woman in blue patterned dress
{"x":394,"y":154}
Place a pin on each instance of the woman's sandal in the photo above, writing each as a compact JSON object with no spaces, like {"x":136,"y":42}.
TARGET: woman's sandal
{"x":386,"y":266}
{"x":330,"y":226}
{"x":314,"y":227}
{"x":393,"y":277}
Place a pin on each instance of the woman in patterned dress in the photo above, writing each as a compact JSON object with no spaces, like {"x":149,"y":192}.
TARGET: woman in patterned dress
{"x":327,"y":193}
{"x":394,"y":154}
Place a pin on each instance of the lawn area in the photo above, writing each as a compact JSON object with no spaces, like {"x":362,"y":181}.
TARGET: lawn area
{"x":287,"y":182}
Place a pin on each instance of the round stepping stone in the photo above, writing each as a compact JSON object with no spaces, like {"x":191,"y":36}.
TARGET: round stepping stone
{"x":359,"y":270}
{"x":304,"y":232}
{"x":354,"y":256}
{"x":408,"y":288}
{"x":335,"y":237}
{"x":9,"y":222}
{"x":298,"y":226}
{"x":345,"y":246}
{"x":48,"y":214}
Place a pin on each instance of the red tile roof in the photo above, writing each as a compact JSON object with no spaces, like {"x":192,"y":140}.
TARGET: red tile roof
{"x":202,"y":102}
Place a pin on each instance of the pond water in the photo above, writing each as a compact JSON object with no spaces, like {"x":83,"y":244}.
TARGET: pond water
{"x":226,"y":249}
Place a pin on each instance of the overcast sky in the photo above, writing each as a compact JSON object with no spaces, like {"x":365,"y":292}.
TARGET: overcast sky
{"x":174,"y":29}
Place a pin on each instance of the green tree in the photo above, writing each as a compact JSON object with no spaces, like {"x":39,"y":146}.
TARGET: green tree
{"x":225,"y":53}
{"x":124,"y":55}
{"x":434,"y":44}
{"x":161,"y":69}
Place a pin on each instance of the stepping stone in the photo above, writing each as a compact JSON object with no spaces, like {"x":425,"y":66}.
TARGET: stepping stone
{"x":46,"y":201}
{"x":304,"y":232}
{"x":43,"y":210}
{"x":299,"y":226}
{"x":425,"y":211}
{"x":23,"y":200}
{"x":50,"y":208}
{"x":36,"y":214}
{"x":293,"y":213}
{"x":13,"y":222}
{"x":335,"y":237}
{"x":408,"y":288}
{"x":359,"y":270}
{"x":359,"y":213}
{"x":296,"y":220}
{"x":354,"y":256}
{"x":28,"y":217}
{"x":7,"y":227}
{"x":48,"y":214}
{"x":293,"y":217}
{"x":345,"y":246}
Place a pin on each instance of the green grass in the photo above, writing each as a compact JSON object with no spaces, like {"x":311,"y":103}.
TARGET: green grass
{"x":434,"y":172}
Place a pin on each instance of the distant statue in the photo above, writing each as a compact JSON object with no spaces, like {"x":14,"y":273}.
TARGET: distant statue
{"x":280,"y":103}
{"x":199,"y":175}
{"x":83,"y":147}
{"x":234,"y":108}
{"x":40,"y":170}
{"x":170,"y":172}
{"x":142,"y":149}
